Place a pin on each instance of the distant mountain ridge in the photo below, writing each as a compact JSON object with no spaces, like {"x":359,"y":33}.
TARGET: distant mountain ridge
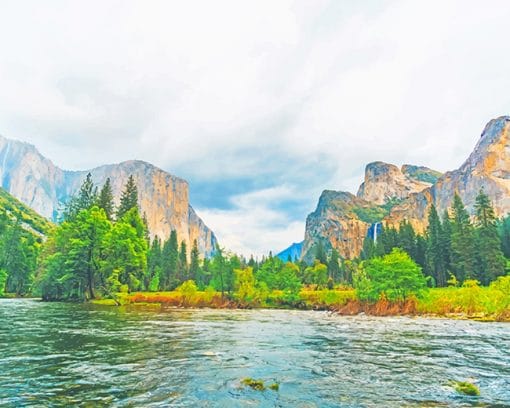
{"x":37,"y":182}
{"x":293,"y":252}
{"x":390,"y":195}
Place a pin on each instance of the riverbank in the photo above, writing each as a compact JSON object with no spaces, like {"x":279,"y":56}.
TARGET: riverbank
{"x":476,"y":303}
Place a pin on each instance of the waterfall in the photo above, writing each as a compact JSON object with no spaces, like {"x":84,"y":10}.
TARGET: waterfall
{"x":375,"y":232}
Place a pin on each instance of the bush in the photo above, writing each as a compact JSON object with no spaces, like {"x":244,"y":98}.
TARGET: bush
{"x":395,"y":276}
{"x":188,"y":291}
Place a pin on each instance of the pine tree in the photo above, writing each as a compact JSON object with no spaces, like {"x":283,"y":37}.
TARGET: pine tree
{"x":194,"y":265}
{"x":446,"y":240}
{"x":84,"y":200}
{"x":154,"y":264}
{"x":183,"y":262}
{"x":170,"y":262}
{"x":490,"y":258}
{"x":463,"y":245}
{"x":504,"y":235}
{"x":406,"y":239}
{"x":334,"y":266}
{"x":129,"y":197}
{"x":436,"y":266}
{"x":320,"y":253}
{"x":105,"y":200}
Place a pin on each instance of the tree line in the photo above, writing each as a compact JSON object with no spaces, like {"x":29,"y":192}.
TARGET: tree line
{"x":454,"y":248}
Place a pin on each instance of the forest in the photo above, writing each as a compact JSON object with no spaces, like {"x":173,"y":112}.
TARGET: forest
{"x":99,"y":251}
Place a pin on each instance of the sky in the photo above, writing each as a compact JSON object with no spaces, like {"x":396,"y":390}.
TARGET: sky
{"x":260,"y":105}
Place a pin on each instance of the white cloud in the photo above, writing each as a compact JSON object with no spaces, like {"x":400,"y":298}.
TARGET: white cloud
{"x":253,"y":227}
{"x":294,"y":93}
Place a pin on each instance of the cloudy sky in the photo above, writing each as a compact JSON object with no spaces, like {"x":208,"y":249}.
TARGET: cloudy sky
{"x":259,"y":105}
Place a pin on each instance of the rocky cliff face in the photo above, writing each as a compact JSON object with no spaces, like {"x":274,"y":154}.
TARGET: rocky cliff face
{"x":384,"y":182}
{"x":337,"y":223}
{"x":341,"y":221}
{"x":164,"y":198}
{"x":488,"y":167}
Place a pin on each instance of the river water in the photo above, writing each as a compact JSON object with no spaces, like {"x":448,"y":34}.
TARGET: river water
{"x":58,"y":354}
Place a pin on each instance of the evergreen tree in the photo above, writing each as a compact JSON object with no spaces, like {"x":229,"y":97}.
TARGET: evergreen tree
{"x":334,"y":266}
{"x":154,"y":264}
{"x":194,"y":265}
{"x":446,"y":240}
{"x":463,"y":245}
{"x":127,"y":251}
{"x":170,"y":262}
{"x":129,"y":197}
{"x":183,"y":262}
{"x":105,"y":199}
{"x":84,"y":200}
{"x":490,"y":258}
{"x":504,"y":235}
{"x":406,"y":239}
{"x":436,"y":266}
{"x":320,"y":253}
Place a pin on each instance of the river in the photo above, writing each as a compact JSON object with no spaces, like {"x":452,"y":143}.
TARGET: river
{"x":61,"y":354}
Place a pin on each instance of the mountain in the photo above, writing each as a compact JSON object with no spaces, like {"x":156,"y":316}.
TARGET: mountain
{"x":44,"y":187}
{"x":30,"y":220}
{"x":385,"y":182}
{"x":294,"y":252}
{"x":390,"y":195}
{"x":487,"y":167}
{"x":341,"y":221}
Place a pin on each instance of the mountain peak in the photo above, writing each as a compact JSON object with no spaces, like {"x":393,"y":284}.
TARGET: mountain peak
{"x":385,"y":181}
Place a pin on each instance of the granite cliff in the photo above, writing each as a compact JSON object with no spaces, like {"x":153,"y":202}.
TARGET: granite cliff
{"x":390,"y":195}
{"x":44,"y":187}
{"x":487,"y":167}
{"x":385,"y":182}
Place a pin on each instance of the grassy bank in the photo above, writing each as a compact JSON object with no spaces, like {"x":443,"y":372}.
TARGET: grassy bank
{"x":480,"y":303}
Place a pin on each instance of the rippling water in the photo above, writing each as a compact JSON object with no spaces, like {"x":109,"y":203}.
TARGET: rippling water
{"x":57,"y":354}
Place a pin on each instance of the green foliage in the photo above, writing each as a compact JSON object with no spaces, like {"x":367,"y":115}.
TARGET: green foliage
{"x":370,"y":215}
{"x":14,"y":210}
{"x":394,"y":276}
{"x":129,"y":197}
{"x":436,"y":265}
{"x":3,"y":279}
{"x":188,"y":290}
{"x":490,"y":261}
{"x":85,"y":199}
{"x":462,"y":242}
{"x":105,"y":199}
{"x":316,"y":275}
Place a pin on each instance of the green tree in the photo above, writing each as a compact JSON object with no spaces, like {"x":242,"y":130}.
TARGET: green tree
{"x":154,"y":264}
{"x":129,"y":197}
{"x":436,"y":265}
{"x":127,"y":251}
{"x":490,"y":259}
{"x":316,"y":275}
{"x":74,"y":256}
{"x":334,"y":271}
{"x":194,"y":266}
{"x":395,"y":276}
{"x":170,"y":262}
{"x":320,"y":253}
{"x":463,"y":243}
{"x":83,"y":200}
{"x":105,"y":199}
{"x":504,"y":235}
{"x":183,"y":262}
{"x":3,"y":279}
{"x":406,"y":239}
